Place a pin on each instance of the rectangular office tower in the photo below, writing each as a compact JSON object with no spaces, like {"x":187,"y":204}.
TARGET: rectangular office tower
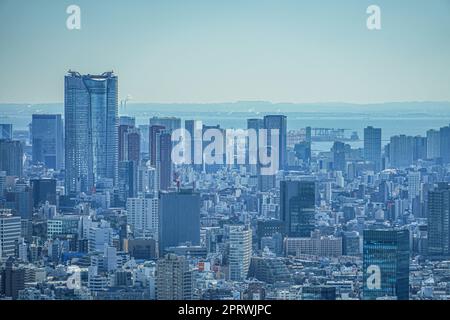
{"x":6,"y":131}
{"x":11,"y":157}
{"x":179,"y":218}
{"x":372,"y":146}
{"x":47,"y":140}
{"x":439,"y":221}
{"x":297,"y":201}
{"x":386,"y":264}
{"x":10,"y":227}
{"x":91,"y":135}
{"x":278,"y":122}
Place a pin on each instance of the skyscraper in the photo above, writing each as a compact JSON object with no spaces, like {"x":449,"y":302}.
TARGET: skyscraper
{"x":433,"y":144}
{"x":278,"y":122}
{"x":297,"y":207}
{"x":128,"y":180}
{"x":339,"y":163}
{"x":43,"y":190}
{"x":401,"y":153}
{"x":195,"y":129}
{"x":386,"y":264}
{"x":12,"y":279}
{"x":6,"y":131}
{"x":372,"y":146}
{"x":179,"y":218}
{"x":240,"y":252}
{"x":129,"y":141}
{"x":11,"y":157}
{"x":10,"y":227}
{"x":91,"y":135}
{"x":444,"y":139}
{"x":164,"y":161}
{"x":170,"y":123}
{"x":439,"y":221}
{"x":413,"y":184}
{"x":154,"y":132}
{"x":47,"y":140}
{"x":174,"y":279}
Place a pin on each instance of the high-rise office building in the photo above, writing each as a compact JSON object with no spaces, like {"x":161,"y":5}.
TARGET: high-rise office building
{"x":129,"y":143}
{"x":144,"y":131}
{"x":154,"y":132}
{"x":339,"y":163}
{"x":12,"y":279}
{"x":43,"y":190}
{"x":91,"y":130}
{"x":372,"y":146}
{"x":11,"y":157}
{"x":297,"y":207}
{"x":433,"y":144}
{"x":179,"y":218}
{"x":419,"y":148}
{"x":170,"y":123}
{"x":164,"y":161}
{"x":413,"y":184}
{"x":386,"y":264}
{"x":444,"y":137}
{"x":195,"y":129}
{"x":6,"y":131}
{"x":401,"y":153}
{"x":142,"y":216}
{"x":278,"y":122}
{"x":256,"y":125}
{"x":240,"y":252}
{"x":128,"y":179}
{"x":174,"y":280}
{"x":10,"y":228}
{"x":47,"y":140}
{"x":20,"y":199}
{"x":439,"y":221}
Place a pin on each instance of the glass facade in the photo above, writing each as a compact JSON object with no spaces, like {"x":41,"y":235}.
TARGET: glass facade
{"x":386,"y":264}
{"x":91,"y":122}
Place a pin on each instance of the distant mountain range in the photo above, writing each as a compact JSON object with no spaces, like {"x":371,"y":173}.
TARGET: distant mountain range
{"x":255,"y":107}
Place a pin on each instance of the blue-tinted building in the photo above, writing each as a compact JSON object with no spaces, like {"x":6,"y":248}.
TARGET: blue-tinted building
{"x":179,"y":218}
{"x":386,"y":264}
{"x":6,"y":131}
{"x":278,"y":122}
{"x":297,"y":202}
{"x":372,"y":146}
{"x":11,"y":157}
{"x":91,"y":135}
{"x":47,"y":140}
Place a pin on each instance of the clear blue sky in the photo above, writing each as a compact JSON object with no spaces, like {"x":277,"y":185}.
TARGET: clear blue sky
{"x":211,"y":50}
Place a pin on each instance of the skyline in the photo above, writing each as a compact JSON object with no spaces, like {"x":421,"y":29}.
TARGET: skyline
{"x":291,"y":51}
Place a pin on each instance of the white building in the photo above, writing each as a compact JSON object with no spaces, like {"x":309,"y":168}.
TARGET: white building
{"x":10,"y":228}
{"x":240,"y":252}
{"x":413,"y":184}
{"x":142,"y":216}
{"x":99,"y":237}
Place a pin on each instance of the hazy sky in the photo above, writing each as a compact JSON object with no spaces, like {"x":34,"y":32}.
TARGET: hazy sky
{"x":228,"y":50}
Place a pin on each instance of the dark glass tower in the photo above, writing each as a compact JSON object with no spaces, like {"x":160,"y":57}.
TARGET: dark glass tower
{"x":298,"y":207}
{"x":179,"y":218}
{"x":386,"y":264}
{"x":439,"y":221}
{"x":372,"y":146}
{"x":278,"y":122}
{"x":48,"y":141}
